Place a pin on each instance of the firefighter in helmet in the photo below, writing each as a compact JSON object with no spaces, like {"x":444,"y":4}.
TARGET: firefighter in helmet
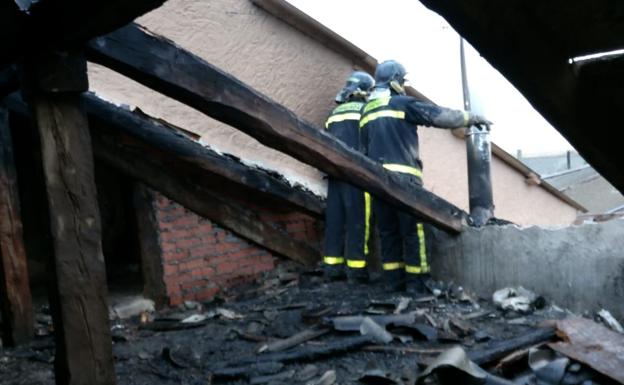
{"x":347,"y":215}
{"x":390,"y":136}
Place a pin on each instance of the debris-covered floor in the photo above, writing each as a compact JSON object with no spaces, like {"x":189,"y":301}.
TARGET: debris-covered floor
{"x":295,"y":328}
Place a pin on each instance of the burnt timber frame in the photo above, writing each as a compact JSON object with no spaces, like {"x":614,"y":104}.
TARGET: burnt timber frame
{"x":78,"y":299}
{"x":190,"y":174}
{"x":531,"y":44}
{"x":62,"y":24}
{"x":146,"y":58}
{"x":17,"y":312}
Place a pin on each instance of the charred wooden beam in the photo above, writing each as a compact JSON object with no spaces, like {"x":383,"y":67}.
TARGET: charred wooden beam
{"x":149,"y":245}
{"x":185,"y":171}
{"x":530,"y":44}
{"x":62,"y":24}
{"x":17,"y":312}
{"x":213,"y":171}
{"x":79,"y":298}
{"x":147,"y":59}
{"x":184,"y":189}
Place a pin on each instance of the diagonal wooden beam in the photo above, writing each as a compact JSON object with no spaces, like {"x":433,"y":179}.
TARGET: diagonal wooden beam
{"x":213,"y":171}
{"x":160,"y":64}
{"x":178,"y":168}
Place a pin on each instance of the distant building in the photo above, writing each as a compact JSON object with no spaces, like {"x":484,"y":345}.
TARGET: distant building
{"x":570,"y":174}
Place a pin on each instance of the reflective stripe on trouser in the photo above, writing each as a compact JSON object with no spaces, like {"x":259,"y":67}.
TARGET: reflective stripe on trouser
{"x":329,"y":260}
{"x":403,"y":244}
{"x":345,"y":227}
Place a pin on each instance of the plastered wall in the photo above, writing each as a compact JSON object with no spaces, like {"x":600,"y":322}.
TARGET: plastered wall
{"x":302,"y":74}
{"x":445,"y":165}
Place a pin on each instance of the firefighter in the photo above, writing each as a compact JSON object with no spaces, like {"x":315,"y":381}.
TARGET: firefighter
{"x":348,"y":208}
{"x":390,"y":136}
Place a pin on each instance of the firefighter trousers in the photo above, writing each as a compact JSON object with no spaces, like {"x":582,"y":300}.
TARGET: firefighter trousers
{"x":403,"y":244}
{"x":347,"y":219}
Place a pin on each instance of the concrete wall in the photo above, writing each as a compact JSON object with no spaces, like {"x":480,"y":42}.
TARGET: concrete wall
{"x":257,"y":48}
{"x":581,"y":267}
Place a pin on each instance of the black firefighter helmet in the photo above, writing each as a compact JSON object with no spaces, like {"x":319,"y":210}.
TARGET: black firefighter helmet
{"x":391,"y":74}
{"x":359,"y":84}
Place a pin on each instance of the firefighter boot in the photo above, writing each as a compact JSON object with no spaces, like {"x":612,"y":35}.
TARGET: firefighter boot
{"x":357,"y":276}
{"x":394,"y":280}
{"x":415,"y":285}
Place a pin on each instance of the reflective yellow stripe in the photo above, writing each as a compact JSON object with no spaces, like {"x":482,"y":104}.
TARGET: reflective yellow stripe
{"x":341,"y":118}
{"x":333,"y":260}
{"x":356,"y":264}
{"x":382,"y":114}
{"x":423,"y":248}
{"x":404,"y":169}
{"x":413,"y":269}
{"x":376,"y":103}
{"x":367,"y":216}
{"x":466,"y":117}
{"x":393,"y":265}
{"x":348,"y":107}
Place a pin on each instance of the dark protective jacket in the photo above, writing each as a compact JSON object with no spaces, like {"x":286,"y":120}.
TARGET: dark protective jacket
{"x":389,"y":132}
{"x":342,"y":123}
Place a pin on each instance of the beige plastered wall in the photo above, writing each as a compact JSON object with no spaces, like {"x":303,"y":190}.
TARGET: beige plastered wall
{"x":445,"y":165}
{"x":300,"y":73}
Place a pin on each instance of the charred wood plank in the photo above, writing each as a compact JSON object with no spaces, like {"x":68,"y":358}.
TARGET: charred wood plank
{"x":156,"y":174}
{"x":210,"y":169}
{"x":497,"y":350}
{"x":149,"y":245}
{"x":17,"y":312}
{"x":62,"y":24}
{"x":79,"y":295}
{"x":120,"y":138}
{"x":161,"y":140}
{"x":146,"y":58}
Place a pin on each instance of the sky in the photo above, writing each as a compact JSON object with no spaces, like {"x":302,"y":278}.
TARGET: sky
{"x":428,"y":46}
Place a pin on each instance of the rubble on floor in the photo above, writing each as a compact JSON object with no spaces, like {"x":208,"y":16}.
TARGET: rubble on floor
{"x":295,"y":328}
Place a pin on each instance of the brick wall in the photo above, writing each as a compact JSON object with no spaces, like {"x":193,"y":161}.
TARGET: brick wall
{"x":200,"y":258}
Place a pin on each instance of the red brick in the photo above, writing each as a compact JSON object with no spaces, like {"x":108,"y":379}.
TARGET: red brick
{"x":202,"y":251}
{"x":176,"y":255}
{"x":186,"y":243}
{"x":196,"y":263}
{"x":175,"y":300}
{"x":193,"y":284}
{"x":227,"y":267}
{"x":170,"y":269}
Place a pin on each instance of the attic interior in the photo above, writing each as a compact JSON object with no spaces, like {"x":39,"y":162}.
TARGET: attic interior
{"x":93,"y":193}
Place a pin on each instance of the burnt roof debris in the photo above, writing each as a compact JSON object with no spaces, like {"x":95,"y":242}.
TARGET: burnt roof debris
{"x":273,"y":336}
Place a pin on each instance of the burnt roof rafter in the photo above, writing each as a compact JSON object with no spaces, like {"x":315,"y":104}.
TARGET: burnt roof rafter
{"x":62,"y":24}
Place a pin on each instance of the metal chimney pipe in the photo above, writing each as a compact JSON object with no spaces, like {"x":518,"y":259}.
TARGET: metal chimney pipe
{"x":479,"y":151}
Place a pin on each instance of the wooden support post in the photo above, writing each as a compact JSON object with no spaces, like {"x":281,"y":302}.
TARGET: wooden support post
{"x":149,"y":244}
{"x":79,"y":298}
{"x":17,"y":312}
